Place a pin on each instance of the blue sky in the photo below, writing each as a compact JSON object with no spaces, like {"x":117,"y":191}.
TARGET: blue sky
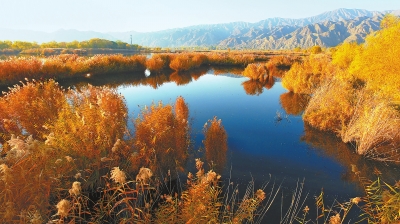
{"x":153,"y":15}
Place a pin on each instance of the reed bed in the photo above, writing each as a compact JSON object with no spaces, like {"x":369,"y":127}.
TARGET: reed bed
{"x":77,"y":165}
{"x":16,"y":69}
{"x":59,"y":66}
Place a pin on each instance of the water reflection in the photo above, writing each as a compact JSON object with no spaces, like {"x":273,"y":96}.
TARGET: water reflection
{"x":253,"y":87}
{"x":247,"y":119}
{"x":223,"y":70}
{"x":328,"y":145}
{"x":180,"y":78}
{"x":256,"y":86}
{"x":269,"y":81}
{"x":294,"y":103}
{"x":155,"y":80}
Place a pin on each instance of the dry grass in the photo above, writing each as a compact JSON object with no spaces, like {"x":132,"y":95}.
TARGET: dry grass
{"x":162,"y":137}
{"x":374,"y":124}
{"x":282,"y":62}
{"x":158,"y":62}
{"x":215,"y":143}
{"x":202,"y":202}
{"x":331,"y":107}
{"x":15,"y":69}
{"x":27,"y":108}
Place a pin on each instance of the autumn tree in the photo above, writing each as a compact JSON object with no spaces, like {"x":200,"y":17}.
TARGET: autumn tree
{"x":378,"y":63}
{"x":315,"y":49}
{"x":255,"y":71}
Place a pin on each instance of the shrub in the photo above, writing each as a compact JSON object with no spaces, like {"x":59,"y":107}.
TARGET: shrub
{"x":161,"y":137}
{"x":181,"y":62}
{"x":90,"y":122}
{"x":378,"y":63}
{"x":158,"y":62}
{"x":331,"y":107}
{"x":281,"y":62}
{"x":215,"y":143}
{"x":27,"y":108}
{"x":17,"y":69}
{"x":315,"y":49}
{"x":345,"y":54}
{"x":186,"y":61}
{"x":255,"y":71}
{"x":307,"y":76}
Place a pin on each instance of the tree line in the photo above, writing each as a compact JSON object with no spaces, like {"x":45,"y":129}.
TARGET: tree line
{"x":92,"y":43}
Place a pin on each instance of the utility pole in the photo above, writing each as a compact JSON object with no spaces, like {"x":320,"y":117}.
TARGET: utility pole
{"x":131,"y":39}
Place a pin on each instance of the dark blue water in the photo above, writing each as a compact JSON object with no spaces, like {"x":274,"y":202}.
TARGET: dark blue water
{"x":265,"y":141}
{"x":259,"y":144}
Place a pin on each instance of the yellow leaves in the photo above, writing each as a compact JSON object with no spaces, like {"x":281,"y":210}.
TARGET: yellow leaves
{"x":307,"y":76}
{"x":378,"y":64}
{"x":389,"y":21}
{"x":344,"y":55}
{"x":255,"y":71}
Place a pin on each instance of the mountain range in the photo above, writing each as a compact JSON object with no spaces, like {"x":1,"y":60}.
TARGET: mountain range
{"x":327,"y":29}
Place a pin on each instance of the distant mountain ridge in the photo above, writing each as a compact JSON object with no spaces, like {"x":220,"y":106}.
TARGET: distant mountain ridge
{"x":326,"y":29}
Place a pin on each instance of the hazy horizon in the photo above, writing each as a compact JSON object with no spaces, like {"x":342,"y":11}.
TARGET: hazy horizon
{"x":156,"y":15}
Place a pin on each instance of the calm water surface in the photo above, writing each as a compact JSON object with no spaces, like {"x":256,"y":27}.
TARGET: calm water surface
{"x":259,"y":144}
{"x":267,"y":138}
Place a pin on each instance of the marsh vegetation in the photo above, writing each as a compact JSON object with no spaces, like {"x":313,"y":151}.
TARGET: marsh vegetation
{"x":89,"y":154}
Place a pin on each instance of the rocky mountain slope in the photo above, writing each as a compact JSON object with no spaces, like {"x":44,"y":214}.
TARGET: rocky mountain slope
{"x":327,"y":29}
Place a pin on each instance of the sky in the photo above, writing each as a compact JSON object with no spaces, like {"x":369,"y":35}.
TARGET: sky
{"x":155,"y":15}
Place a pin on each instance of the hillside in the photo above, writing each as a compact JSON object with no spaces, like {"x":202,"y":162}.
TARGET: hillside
{"x":326,"y":34}
{"x":327,"y":29}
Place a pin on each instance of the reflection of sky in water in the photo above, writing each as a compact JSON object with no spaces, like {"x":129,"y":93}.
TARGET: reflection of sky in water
{"x":258,"y":145}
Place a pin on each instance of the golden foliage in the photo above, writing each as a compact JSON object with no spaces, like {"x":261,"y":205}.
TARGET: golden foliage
{"x":378,"y":63}
{"x":307,"y":76}
{"x":90,"y":122}
{"x":202,"y":202}
{"x":162,"y":137}
{"x":331,"y":107}
{"x":215,"y":143}
{"x":375,"y":123}
{"x":158,"y":62}
{"x":184,"y":62}
{"x":253,"y":87}
{"x":255,"y":71}
{"x":281,"y":62}
{"x":294,"y":103}
{"x":345,"y":54}
{"x":315,"y":49}
{"x":60,"y":66}
{"x":26,"y":109}
{"x":29,"y":178}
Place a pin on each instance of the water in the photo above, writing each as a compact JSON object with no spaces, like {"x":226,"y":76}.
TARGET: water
{"x":267,"y":138}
